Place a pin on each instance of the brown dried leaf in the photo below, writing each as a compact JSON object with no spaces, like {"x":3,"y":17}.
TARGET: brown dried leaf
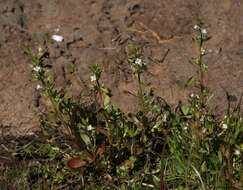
{"x":76,"y":162}
{"x":101,"y":150}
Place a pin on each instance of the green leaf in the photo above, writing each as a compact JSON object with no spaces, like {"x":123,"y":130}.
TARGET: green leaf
{"x":194,"y":61}
{"x":241,"y":146}
{"x":128,"y":164}
{"x":185,"y":110}
{"x":106,"y":102}
{"x":204,"y":167}
{"x":86,"y":139}
{"x":190,"y":82}
{"x":220,"y":156}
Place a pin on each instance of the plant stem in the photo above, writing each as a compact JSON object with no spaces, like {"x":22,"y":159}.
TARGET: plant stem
{"x":201,"y":70}
{"x":140,"y":92}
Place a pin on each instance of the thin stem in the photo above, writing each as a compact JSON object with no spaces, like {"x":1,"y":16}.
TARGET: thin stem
{"x":201,"y":70}
{"x":140,"y":92}
{"x":99,"y":92}
{"x":54,"y":105}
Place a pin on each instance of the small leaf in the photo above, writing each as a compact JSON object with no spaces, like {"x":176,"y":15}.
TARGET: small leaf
{"x":241,"y":146}
{"x":106,"y":102}
{"x":194,"y":61}
{"x":220,"y":157}
{"x":128,"y":164}
{"x":204,"y":167}
{"x":185,"y":110}
{"x":76,"y":162}
{"x":105,"y":90}
{"x":190,"y":82}
{"x":86,"y":139}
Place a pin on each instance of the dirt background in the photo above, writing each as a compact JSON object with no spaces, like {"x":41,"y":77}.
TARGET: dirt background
{"x":98,"y":31}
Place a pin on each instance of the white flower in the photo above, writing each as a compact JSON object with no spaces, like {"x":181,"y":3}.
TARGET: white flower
{"x":224,"y":126}
{"x":57,"y":38}
{"x":202,"y":119}
{"x":93,"y":78}
{"x":185,"y":128}
{"x":204,"y":130}
{"x":164,"y":119}
{"x":192,"y":95}
{"x":210,"y":51}
{"x":138,"y":62}
{"x":196,"y":27}
{"x":237,"y":152}
{"x":203,"y":51}
{"x":37,"y":69}
{"x":30,"y":133}
{"x":38,"y":87}
{"x":57,"y":29}
{"x":89,"y":127}
{"x":204,"y":31}
{"x":40,"y":51}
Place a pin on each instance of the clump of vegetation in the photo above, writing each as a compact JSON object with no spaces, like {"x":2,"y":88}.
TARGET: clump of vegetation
{"x":91,"y":144}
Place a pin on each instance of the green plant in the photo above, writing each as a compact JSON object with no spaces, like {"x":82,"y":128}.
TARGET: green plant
{"x":94,"y":145}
